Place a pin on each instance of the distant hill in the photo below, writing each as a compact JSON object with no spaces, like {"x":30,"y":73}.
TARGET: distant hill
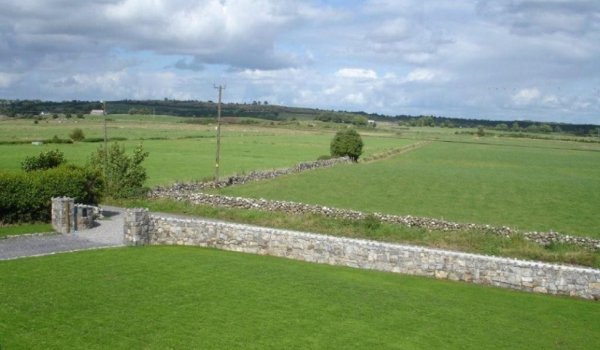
{"x":263,"y":110}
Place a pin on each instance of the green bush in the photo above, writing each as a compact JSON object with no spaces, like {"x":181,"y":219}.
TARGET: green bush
{"x":93,"y":139}
{"x":101,"y":139}
{"x":347,"y":143}
{"x":45,"y":160}
{"x":56,"y":139}
{"x":26,"y":197}
{"x":77,"y":135}
{"x":124,"y":175}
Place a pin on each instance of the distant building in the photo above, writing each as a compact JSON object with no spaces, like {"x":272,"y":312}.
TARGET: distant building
{"x":97,"y":112}
{"x":371,"y":122}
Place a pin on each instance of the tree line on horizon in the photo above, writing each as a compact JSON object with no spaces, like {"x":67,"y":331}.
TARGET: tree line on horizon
{"x":264,"y":110}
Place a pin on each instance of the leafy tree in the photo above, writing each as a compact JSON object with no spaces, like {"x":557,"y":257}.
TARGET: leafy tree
{"x":347,"y":143}
{"x":426,"y":121}
{"x":45,"y":160}
{"x":515,"y":127}
{"x":124,"y":175}
{"x":360,"y":120}
{"x":545,"y":128}
{"x":77,"y":135}
{"x":501,"y":127}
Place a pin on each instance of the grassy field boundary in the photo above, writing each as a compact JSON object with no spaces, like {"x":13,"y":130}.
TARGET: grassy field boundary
{"x":394,"y":152}
{"x":253,"y":176}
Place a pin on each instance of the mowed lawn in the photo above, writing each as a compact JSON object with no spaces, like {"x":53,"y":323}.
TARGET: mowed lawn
{"x":531,"y":188}
{"x":25,"y":229}
{"x":188,"y":297}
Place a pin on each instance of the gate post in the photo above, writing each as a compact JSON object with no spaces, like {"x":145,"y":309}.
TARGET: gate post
{"x":136,"y":227}
{"x":62,"y":214}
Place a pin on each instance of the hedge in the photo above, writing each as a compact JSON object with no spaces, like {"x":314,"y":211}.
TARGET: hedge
{"x":26,"y":197}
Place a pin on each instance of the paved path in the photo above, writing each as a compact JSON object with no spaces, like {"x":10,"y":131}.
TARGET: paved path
{"x":109,"y":233}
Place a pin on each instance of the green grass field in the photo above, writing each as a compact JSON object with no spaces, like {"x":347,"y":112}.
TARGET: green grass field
{"x":178,"y":297}
{"x":529,"y":188}
{"x":186,"y":152}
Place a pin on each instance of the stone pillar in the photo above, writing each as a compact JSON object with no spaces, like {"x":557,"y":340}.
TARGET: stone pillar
{"x":136,"y":227}
{"x":62,"y":214}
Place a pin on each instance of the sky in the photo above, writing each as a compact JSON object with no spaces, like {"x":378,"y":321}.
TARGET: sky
{"x":502,"y":60}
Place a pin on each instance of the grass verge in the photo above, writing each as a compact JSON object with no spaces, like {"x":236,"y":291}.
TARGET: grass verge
{"x":466,"y":241}
{"x":25,"y":229}
{"x":190,"y":297}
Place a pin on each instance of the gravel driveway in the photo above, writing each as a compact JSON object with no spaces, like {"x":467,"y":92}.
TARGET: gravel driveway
{"x":108,"y":233}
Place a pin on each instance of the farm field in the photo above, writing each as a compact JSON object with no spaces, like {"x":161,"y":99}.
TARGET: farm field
{"x":530,"y":188}
{"x":184,"y":152}
{"x":174,"y":297}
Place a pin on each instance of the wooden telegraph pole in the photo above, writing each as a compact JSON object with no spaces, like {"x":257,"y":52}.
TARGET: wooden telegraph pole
{"x":105,"y":138}
{"x":220,"y":88}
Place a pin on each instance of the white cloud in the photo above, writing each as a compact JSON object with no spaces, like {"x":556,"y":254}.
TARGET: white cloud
{"x":425,"y":75}
{"x":526,"y":96}
{"x":356,"y":73}
{"x":391,"y":31}
{"x":526,"y":17}
{"x":497,"y":59}
{"x":239,"y":33}
{"x":550,"y":100}
{"x":7,"y":79}
{"x":355,"y":98}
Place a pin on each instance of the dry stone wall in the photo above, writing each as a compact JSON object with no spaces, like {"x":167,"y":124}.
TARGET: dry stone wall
{"x":254,"y":176}
{"x":543,"y":238}
{"x":142,"y":227}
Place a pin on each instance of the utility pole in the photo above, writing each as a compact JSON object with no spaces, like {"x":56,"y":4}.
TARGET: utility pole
{"x":105,"y":138}
{"x":220,"y":88}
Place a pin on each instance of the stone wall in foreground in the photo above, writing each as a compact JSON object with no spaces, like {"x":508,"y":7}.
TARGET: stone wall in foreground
{"x":294,"y":208}
{"x":142,"y":227}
